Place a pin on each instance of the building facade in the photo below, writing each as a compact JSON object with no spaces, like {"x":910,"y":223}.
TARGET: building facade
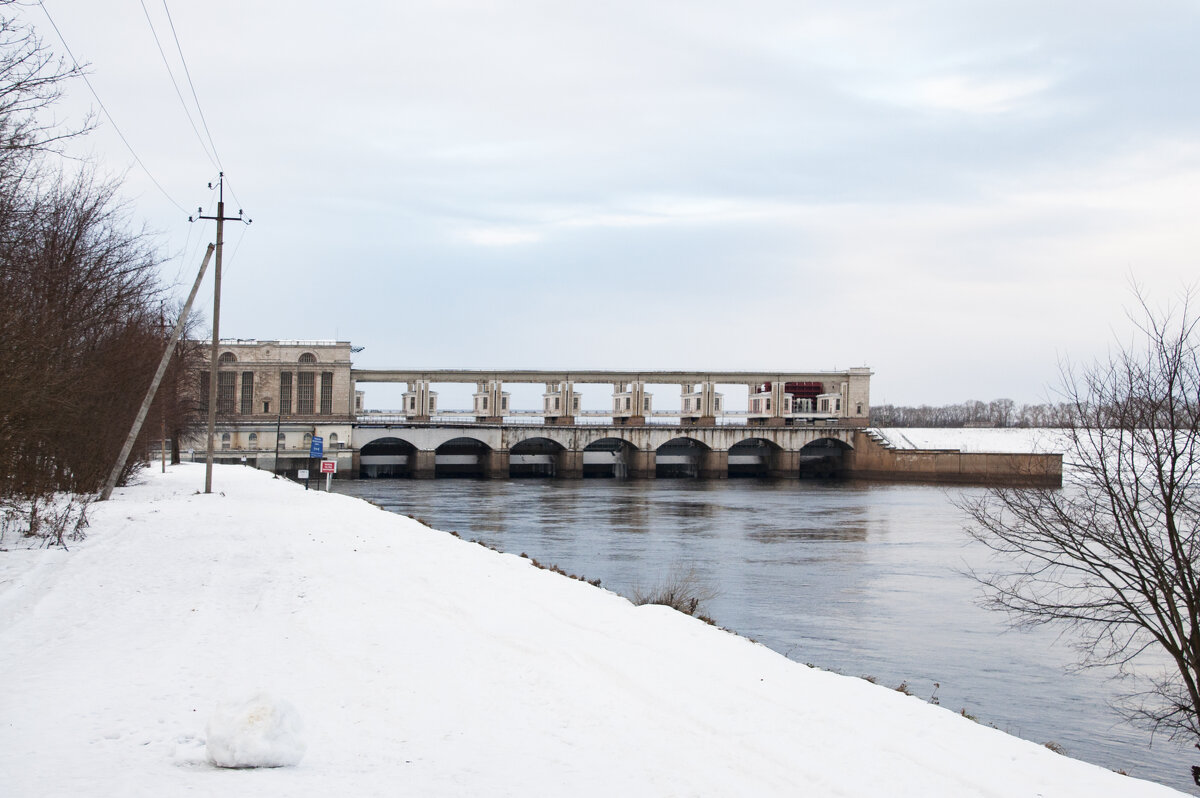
{"x":274,"y":397}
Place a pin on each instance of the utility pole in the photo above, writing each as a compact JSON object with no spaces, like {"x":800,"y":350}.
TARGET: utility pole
{"x":213,"y":377}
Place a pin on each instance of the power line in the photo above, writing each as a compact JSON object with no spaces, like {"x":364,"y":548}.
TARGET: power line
{"x":199,"y":109}
{"x":178,"y":93}
{"x":109,"y":116}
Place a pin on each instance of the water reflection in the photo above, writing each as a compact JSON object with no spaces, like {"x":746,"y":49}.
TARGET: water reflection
{"x":861,"y":578}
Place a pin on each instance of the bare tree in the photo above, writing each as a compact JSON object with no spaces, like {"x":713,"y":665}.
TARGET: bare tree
{"x":1113,"y":555}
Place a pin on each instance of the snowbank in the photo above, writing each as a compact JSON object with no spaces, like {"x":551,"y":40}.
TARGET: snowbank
{"x":261,"y":732}
{"x":425,"y":665}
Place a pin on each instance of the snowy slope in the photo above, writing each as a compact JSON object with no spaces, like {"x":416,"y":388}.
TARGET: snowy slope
{"x":424,"y":665}
{"x":976,"y":440}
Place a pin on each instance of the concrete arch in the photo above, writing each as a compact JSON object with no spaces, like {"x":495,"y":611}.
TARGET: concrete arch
{"x":389,"y":457}
{"x":537,"y":456}
{"x":823,"y":458}
{"x":610,"y":456}
{"x":684,"y":456}
{"x":755,"y":457}
{"x":463,"y":456}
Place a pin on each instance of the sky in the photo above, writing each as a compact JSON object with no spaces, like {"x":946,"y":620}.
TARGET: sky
{"x":957,"y":195}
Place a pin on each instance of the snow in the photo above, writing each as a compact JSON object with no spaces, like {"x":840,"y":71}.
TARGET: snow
{"x":261,"y":732}
{"x":986,"y":439}
{"x":425,"y":665}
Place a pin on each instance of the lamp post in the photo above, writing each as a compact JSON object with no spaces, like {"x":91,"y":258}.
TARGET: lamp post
{"x":278,"y":426}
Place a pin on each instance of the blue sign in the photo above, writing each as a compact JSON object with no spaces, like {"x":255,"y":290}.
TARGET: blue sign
{"x":318,"y":446}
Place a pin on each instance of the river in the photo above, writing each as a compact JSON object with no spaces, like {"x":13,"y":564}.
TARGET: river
{"x":866,"y":579}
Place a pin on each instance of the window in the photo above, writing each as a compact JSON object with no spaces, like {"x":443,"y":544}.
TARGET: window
{"x":225,"y":440}
{"x":308,"y":358}
{"x":716,"y":404}
{"x":768,"y":404}
{"x":556,"y":403}
{"x":858,"y":409}
{"x":307,"y":441}
{"x":646,"y":405}
{"x":412,"y":403}
{"x":484,"y":404}
{"x":281,"y":441}
{"x":267,"y":406}
{"x":247,"y":393}
{"x":204,"y":388}
{"x":225,"y":385}
{"x":627,"y":402}
{"x":333,"y":440}
{"x":504,"y":403}
{"x":575,"y":403}
{"x":285,"y":393}
{"x":253,"y":440}
{"x":305,"y":381}
{"x":326,"y":393}
{"x":226,"y":357}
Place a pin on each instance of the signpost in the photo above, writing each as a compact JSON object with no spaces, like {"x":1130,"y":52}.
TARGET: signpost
{"x":328,"y":468}
{"x":315,"y":450}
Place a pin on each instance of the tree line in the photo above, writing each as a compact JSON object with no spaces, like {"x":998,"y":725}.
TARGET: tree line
{"x":974,"y":413}
{"x":83,"y":313}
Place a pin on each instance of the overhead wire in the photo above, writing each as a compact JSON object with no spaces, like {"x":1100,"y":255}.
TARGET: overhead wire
{"x":103,"y":108}
{"x":199,"y":109}
{"x":187,"y":112}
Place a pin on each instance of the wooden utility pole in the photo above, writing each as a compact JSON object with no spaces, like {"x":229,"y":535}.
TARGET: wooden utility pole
{"x":115,"y":474}
{"x":213,"y":377}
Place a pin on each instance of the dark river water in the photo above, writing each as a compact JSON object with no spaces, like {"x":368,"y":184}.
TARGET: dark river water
{"x":861,"y":578}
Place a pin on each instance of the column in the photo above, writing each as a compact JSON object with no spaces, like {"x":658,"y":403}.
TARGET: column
{"x":423,"y":464}
{"x":496,"y":466}
{"x":569,"y":464}
{"x":714,"y":464}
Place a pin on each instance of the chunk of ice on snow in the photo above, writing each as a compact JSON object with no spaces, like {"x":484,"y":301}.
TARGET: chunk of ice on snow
{"x":263,"y":732}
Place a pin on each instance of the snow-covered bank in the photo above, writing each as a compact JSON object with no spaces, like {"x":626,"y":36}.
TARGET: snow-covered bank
{"x":425,"y":665}
{"x":986,"y":439}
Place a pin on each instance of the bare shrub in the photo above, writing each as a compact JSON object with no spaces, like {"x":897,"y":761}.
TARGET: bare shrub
{"x":681,"y":590}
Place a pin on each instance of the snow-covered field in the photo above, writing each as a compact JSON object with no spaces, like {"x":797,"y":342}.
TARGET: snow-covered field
{"x":423,"y":665}
{"x":976,"y":440}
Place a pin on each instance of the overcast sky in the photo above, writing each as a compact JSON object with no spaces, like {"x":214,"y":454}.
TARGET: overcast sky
{"x":956,"y":194}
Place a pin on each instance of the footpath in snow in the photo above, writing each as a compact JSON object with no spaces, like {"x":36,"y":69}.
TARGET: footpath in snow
{"x":424,"y":665}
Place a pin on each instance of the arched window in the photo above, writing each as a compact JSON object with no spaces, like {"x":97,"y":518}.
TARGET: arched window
{"x":227,"y":357}
{"x":308,"y":358}
{"x":225,"y":440}
{"x":281,"y":441}
{"x":307,"y":440}
{"x":333,"y":440}
{"x":253,"y":440}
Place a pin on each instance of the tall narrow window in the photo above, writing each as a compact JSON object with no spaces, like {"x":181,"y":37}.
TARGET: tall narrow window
{"x":253,"y":440}
{"x":204,"y":387}
{"x":247,"y":393}
{"x":304,"y":392}
{"x":285,"y":393}
{"x":326,"y":393}
{"x":225,"y":385}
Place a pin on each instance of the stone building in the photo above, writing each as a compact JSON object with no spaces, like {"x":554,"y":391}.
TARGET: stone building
{"x":273,"y":397}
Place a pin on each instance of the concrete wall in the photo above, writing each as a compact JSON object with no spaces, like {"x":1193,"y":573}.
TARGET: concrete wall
{"x":870,"y":460}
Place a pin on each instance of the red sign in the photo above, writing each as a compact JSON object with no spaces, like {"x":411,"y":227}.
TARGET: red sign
{"x":329,"y":466}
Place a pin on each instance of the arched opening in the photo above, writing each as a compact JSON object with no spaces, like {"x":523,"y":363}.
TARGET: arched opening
{"x":308,"y":358}
{"x":253,"y":440}
{"x":753,"y":457}
{"x":461,"y":457}
{"x":680,"y":458}
{"x":387,"y":458}
{"x":822,"y":459}
{"x":607,"y":458}
{"x":535,"y":457}
{"x":227,"y":357}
